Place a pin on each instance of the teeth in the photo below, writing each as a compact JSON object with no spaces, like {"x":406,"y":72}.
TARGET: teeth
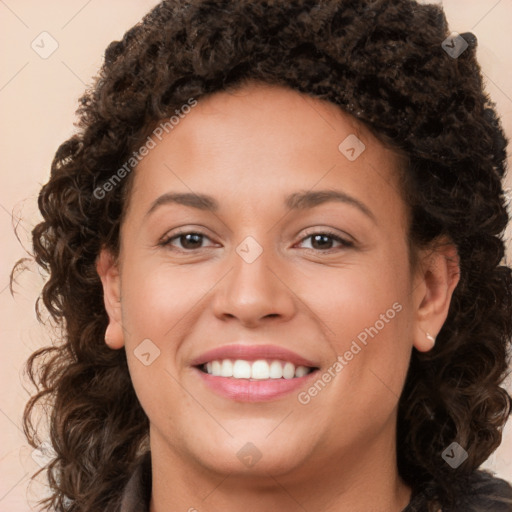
{"x":260,"y":370}
{"x":257,"y":370}
{"x":288,"y":371}
{"x":241,"y":370}
{"x":276,"y":370}
{"x":216,"y":367}
{"x":226,"y":369}
{"x":300,"y":371}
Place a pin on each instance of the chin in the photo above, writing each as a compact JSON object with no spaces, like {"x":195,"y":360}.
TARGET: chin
{"x":252,"y":458}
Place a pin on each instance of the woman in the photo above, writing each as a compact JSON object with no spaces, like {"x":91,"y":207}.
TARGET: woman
{"x":274,"y":247}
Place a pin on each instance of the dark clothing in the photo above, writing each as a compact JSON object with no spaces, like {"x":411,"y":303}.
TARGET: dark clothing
{"x":485,"y":493}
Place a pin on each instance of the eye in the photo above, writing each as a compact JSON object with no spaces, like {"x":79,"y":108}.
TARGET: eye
{"x":189,"y":240}
{"x":192,"y":240}
{"x":323,"y":241}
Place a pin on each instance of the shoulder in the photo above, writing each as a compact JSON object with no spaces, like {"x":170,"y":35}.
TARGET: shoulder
{"x":136,"y":494}
{"x":484,"y":492}
{"x":478,"y":492}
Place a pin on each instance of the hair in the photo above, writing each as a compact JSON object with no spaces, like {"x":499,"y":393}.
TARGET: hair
{"x":382,"y":61}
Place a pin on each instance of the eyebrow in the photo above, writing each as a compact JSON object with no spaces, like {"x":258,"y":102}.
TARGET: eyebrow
{"x":295,"y":201}
{"x":310,"y":199}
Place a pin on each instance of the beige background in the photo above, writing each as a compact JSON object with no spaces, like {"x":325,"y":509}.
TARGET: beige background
{"x":38,"y":98}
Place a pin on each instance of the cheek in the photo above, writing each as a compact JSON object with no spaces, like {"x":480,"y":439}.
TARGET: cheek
{"x":156,"y":298}
{"x":353,"y":299}
{"x":158,"y":306}
{"x":367,"y":312}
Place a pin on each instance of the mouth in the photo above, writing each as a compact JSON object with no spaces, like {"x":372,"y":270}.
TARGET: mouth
{"x":244,"y":372}
{"x":253,"y":373}
{"x":260,"y":369}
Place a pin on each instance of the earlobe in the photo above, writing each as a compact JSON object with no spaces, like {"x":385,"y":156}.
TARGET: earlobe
{"x":440,"y":273}
{"x":108,"y":270}
{"x":424,"y":341}
{"x":114,"y":335}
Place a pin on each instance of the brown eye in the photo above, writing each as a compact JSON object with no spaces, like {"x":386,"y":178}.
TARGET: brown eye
{"x":323,"y":241}
{"x":188,"y":241}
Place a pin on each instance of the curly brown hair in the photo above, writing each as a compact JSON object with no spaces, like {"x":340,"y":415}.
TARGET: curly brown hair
{"x":383,"y":62}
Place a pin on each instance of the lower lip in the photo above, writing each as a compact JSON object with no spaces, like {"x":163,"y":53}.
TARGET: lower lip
{"x":245,"y":390}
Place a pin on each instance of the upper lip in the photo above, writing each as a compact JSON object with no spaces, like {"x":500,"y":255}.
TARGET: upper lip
{"x":252,"y":353}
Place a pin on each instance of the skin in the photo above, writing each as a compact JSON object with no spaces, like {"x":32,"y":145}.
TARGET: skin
{"x":250,"y":149}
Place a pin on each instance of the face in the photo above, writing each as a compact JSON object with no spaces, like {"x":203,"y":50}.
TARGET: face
{"x":296,"y":262}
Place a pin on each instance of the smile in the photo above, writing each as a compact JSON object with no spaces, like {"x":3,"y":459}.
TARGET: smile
{"x":260,"y":369}
{"x":245,"y":372}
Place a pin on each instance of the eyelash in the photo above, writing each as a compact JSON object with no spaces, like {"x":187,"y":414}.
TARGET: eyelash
{"x":166,"y":242}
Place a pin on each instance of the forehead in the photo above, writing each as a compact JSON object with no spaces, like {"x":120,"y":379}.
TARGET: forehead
{"x":281,"y":117}
{"x":266,"y":141}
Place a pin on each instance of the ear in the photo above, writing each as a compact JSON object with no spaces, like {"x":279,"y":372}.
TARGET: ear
{"x":438,"y":275}
{"x":108,"y":270}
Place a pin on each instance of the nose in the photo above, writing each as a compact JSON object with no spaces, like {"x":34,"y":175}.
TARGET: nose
{"x":254,"y":292}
